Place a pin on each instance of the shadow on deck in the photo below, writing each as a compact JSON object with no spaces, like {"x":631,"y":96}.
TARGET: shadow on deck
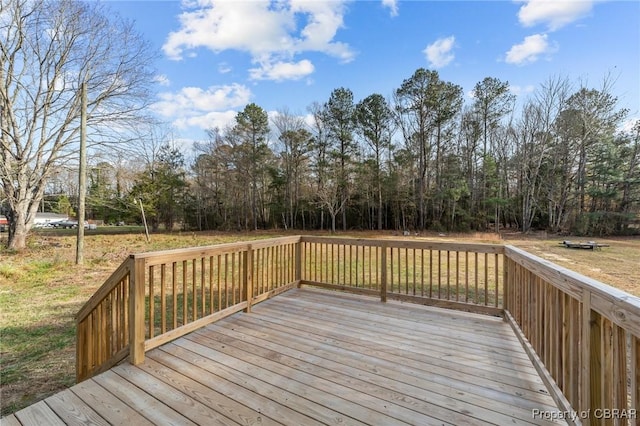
{"x":312,"y":356}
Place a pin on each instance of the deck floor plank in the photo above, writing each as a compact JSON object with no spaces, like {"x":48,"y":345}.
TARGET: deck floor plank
{"x":508,"y":352}
{"x":446,"y":332}
{"x":199,"y":392}
{"x":195,"y":411}
{"x":306,"y":386}
{"x":10,"y":420}
{"x":276,"y":402}
{"x":475,"y":352}
{"x":360,"y":383}
{"x":358,"y":404}
{"x":141,"y":401}
{"x":422,"y":367}
{"x":311,"y":357}
{"x":74,"y":411}
{"x":524,"y":377}
{"x":107,"y":405}
{"x":266,"y":408}
{"x":395,"y":375}
{"x":38,"y":414}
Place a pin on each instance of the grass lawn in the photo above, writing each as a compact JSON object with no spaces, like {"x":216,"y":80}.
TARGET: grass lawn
{"x":41,"y":290}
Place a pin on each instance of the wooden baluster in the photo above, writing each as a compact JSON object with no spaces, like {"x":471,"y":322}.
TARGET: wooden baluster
{"x":174,"y":294}
{"x":233,"y":278}
{"x":247,"y":277}
{"x":185,"y":316}
{"x":466,"y":276}
{"x":486,"y":279}
{"x":619,"y":365}
{"x":414,"y":271}
{"x":496,"y":279}
{"x":136,"y":313}
{"x":300,"y":250}
{"x":457,"y":276}
{"x":448,"y":275}
{"x":163,"y":301}
{"x":476,"y":299}
{"x":211,"y":288}
{"x":634,"y":372}
{"x":219,"y":283}
{"x":202,"y":288}
{"x":383,"y":273}
{"x":152,"y":305}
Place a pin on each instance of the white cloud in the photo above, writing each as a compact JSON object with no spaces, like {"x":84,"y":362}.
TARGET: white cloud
{"x":224,"y":68}
{"x":439,"y":52}
{"x":162,"y":80}
{"x":280,"y":71}
{"x":522,"y":90}
{"x":629,"y":124}
{"x":529,"y":50}
{"x":554,"y":13}
{"x":271,"y":32}
{"x":210,"y":120}
{"x":193,"y":106}
{"x":324,"y":19}
{"x":392,"y":5}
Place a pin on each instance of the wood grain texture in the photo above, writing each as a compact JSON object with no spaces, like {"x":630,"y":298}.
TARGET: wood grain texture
{"x":311,"y":357}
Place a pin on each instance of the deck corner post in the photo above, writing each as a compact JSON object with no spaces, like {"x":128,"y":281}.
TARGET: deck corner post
{"x":247,"y":277}
{"x":136,"y":312}
{"x":383,"y":273}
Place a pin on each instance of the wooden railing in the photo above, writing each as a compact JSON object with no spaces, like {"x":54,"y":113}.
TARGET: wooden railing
{"x":102,"y":325}
{"x":583,"y":336}
{"x":155,"y":297}
{"x":460,"y":276}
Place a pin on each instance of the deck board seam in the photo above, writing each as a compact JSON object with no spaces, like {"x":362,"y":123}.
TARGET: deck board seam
{"x":390,"y":359}
{"x":418,"y":341}
{"x":364,"y":348}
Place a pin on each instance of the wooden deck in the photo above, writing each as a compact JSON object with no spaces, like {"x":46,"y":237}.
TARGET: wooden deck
{"x":311,"y":357}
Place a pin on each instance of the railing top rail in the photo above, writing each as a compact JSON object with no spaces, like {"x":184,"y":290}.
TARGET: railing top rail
{"x":411,"y":244}
{"x":618,"y":306}
{"x":190,"y":252}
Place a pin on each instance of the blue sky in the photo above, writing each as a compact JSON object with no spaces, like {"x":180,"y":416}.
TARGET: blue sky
{"x":218,"y":56}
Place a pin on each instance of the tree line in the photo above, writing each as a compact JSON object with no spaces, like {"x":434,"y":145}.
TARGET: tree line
{"x":423,"y":160}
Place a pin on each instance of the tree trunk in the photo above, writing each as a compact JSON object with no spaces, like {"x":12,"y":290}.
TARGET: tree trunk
{"x":344,"y":219}
{"x":20,"y":217}
{"x":17,"y":233}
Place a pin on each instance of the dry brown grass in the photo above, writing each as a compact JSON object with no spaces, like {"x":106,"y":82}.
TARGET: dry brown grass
{"x":41,"y":290}
{"x":617,"y":265}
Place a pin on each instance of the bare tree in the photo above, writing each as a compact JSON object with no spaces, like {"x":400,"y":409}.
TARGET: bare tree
{"x":534,"y":140}
{"x":295,"y":143}
{"x":47,"y":50}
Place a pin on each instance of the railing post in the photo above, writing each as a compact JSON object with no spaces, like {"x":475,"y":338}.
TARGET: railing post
{"x":383,"y":273}
{"x":82,"y":349}
{"x":247,"y":276}
{"x":298,"y":260}
{"x":136,"y":312}
{"x":506,"y":285}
